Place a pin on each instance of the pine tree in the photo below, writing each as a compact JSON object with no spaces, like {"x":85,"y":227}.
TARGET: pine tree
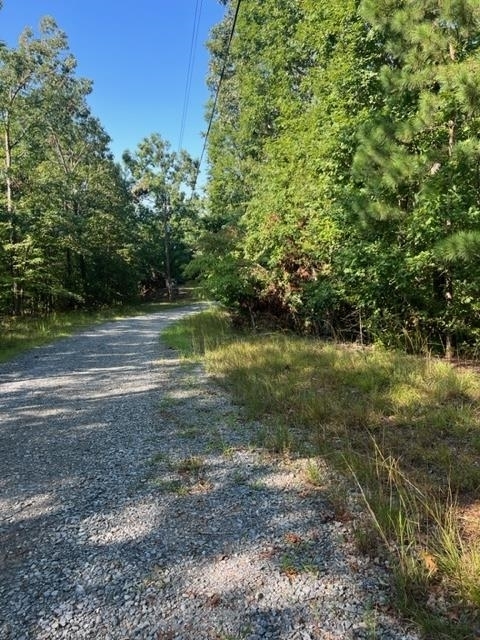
{"x":418,"y":157}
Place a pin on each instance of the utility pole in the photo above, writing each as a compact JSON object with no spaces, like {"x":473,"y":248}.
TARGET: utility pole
{"x":166,"y":239}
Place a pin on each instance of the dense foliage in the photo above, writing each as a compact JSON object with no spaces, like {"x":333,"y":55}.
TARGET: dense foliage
{"x":344,"y":191}
{"x":73,"y":229}
{"x":159,"y":179}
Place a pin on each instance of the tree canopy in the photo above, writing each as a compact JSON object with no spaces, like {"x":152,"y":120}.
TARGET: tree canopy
{"x":343,"y":192}
{"x":74,"y":226}
{"x":343,"y":195}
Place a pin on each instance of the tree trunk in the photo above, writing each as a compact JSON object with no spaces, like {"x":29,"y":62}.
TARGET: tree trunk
{"x":83,"y":270}
{"x":16,"y":296}
{"x":448,"y":276}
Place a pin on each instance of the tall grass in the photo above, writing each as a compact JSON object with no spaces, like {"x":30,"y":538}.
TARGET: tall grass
{"x":406,"y":428}
{"x":422,"y":531}
{"x":201,"y":333}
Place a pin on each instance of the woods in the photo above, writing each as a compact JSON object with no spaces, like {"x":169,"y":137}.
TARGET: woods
{"x":77,"y":229}
{"x":344,"y":188}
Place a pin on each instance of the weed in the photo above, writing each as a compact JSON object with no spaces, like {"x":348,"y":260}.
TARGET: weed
{"x":218,"y":444}
{"x":314,"y":475}
{"x":192,"y":465}
{"x":366,"y":538}
{"x":239,"y":477}
{"x":189,"y":471}
{"x":291,"y":564}
{"x":371,"y":622}
{"x":228,"y":451}
{"x":256,"y":485}
{"x":183,"y":490}
{"x":157,"y":577}
{"x":276,"y":438}
{"x":223,"y":635}
{"x":189,"y":433}
{"x":160,"y":458}
{"x":288,"y":565}
{"x":168,"y":486}
{"x":166,"y":403}
{"x":182,"y":486}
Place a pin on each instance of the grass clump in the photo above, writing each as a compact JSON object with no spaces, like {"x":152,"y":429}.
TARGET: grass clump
{"x":314,"y":474}
{"x":195,"y":335}
{"x":407,"y":428}
{"x":422,"y":531}
{"x":191,"y":465}
{"x":181,"y":477}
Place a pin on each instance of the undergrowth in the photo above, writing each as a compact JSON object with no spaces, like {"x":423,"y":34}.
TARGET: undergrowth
{"x":406,"y":428}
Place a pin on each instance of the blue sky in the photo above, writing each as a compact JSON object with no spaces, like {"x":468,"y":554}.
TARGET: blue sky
{"x":137,"y":55}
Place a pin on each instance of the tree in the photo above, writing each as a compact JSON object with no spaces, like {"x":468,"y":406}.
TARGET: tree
{"x":160,"y":181}
{"x":418,"y":157}
{"x":25,"y":72}
{"x":301,"y":78}
{"x":67,"y":221}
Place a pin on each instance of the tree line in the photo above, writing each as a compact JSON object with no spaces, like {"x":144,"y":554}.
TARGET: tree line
{"x":344,"y":184}
{"x":76,"y":227}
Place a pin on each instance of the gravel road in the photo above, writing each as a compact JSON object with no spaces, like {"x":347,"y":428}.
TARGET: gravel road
{"x":134,"y":505}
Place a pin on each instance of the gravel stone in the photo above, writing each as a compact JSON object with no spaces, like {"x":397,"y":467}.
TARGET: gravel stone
{"x":134,"y":505}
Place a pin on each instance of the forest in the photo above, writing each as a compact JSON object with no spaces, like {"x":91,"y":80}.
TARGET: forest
{"x":343,"y":190}
{"x":77,"y":229}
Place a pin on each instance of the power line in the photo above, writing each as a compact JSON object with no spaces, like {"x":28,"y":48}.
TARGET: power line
{"x":191,"y":65}
{"x":217,"y":92}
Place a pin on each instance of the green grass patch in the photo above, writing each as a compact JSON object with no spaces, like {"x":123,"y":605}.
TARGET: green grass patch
{"x":191,"y":465}
{"x":406,"y":428}
{"x":195,"y":335}
{"x":19,"y":334}
{"x":341,"y":398}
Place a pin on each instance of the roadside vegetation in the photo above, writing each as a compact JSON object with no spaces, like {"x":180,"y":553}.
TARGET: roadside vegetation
{"x":77,"y":228}
{"x":403,"y":430}
{"x":343,"y":192}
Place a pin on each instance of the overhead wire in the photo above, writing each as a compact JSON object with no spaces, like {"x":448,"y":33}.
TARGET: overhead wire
{"x":191,"y":66}
{"x":217,"y":92}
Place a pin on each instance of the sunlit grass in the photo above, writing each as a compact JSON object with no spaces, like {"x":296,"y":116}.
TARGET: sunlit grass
{"x":194,"y":335}
{"x":407,"y":428}
{"x":422,"y":411}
